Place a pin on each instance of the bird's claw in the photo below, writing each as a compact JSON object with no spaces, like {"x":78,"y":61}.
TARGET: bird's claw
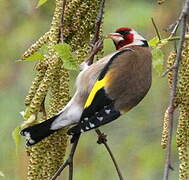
{"x":102,"y":138}
{"x":98,"y":46}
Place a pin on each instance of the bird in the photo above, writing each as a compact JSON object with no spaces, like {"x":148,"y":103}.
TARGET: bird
{"x":105,"y":90}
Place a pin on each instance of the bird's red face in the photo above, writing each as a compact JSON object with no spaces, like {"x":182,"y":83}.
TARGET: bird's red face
{"x":126,"y":36}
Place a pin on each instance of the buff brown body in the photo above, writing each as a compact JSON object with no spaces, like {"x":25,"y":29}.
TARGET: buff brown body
{"x":104,"y":90}
{"x":136,"y":65}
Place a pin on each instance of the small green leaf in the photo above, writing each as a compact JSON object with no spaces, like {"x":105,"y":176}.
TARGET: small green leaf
{"x":1,"y":174}
{"x":41,"y":2}
{"x":64,"y":50}
{"x":65,"y":53}
{"x":158,"y":60}
{"x":16,"y":137}
{"x":154,"y":42}
{"x":35,"y":57}
{"x":70,"y":65}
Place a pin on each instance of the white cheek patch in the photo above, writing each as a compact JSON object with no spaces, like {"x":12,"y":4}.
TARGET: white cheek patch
{"x":137,"y":36}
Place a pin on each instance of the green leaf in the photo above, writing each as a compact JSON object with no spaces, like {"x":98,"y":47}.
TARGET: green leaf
{"x":1,"y":174}
{"x":65,"y":53}
{"x":158,"y":60}
{"x":35,"y":57}
{"x":70,"y":65}
{"x":16,"y":137}
{"x":41,"y":2}
{"x":64,"y":50}
{"x":153,"y":42}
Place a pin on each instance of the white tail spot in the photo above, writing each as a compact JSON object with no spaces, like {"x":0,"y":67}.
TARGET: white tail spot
{"x":86,"y":118}
{"x":91,"y":125}
{"x":107,"y":111}
{"x":100,"y":118}
{"x":31,"y":141}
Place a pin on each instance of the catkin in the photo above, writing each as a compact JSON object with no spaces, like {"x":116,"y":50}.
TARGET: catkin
{"x":37,"y":45}
{"x":52,"y":79}
{"x":182,"y":102}
{"x":47,"y":155}
{"x":79,"y":23}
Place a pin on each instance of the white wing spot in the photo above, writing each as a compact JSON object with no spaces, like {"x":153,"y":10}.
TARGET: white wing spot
{"x":86,"y":118}
{"x":107,"y":111}
{"x":96,"y":112}
{"x":27,"y":134}
{"x":87,"y":128}
{"x":100,"y":118}
{"x":81,"y":130}
{"x":91,"y":125}
{"x":31,"y":141}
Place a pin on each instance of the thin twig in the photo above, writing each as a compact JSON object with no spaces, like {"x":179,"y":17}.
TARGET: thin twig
{"x":184,"y":12}
{"x":43,"y":110}
{"x":103,"y":140}
{"x":175,"y":38}
{"x":62,"y":22}
{"x":98,"y":23}
{"x":171,"y":107}
{"x":68,"y":162}
{"x":156,"y":29}
{"x":168,"y":70}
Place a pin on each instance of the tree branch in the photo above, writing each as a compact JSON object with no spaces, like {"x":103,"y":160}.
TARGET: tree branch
{"x":171,"y":107}
{"x":94,"y":51}
{"x":68,"y":162}
{"x":62,"y":22}
{"x":102,"y":139}
{"x":98,"y":23}
{"x":156,"y":29}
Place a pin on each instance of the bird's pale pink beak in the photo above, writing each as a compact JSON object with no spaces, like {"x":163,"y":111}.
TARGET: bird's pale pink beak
{"x":115,"y":37}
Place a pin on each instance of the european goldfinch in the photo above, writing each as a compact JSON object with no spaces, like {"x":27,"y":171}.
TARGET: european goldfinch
{"x":104,"y":90}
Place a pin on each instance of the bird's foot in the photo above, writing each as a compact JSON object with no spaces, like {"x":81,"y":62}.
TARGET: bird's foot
{"x":102,"y":138}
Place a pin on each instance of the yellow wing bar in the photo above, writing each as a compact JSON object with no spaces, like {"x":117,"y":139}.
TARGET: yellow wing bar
{"x":97,"y":86}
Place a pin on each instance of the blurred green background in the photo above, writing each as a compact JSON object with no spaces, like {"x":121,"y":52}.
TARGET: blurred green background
{"x":134,"y":138}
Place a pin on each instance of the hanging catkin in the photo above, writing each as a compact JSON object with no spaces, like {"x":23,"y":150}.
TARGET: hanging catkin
{"x":182,"y":102}
{"x":52,"y":79}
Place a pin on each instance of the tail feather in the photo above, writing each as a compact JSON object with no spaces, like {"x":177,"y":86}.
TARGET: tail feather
{"x":37,"y":132}
{"x":106,"y":115}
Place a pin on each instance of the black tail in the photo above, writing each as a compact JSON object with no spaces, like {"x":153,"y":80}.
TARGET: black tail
{"x":37,"y":132}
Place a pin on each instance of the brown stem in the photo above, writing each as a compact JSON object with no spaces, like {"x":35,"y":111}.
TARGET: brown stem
{"x":168,"y":70}
{"x":173,"y":91}
{"x":62,"y":22}
{"x":156,"y":29}
{"x":103,"y":140}
{"x":97,"y":32}
{"x":68,"y":162}
{"x":98,"y":22}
